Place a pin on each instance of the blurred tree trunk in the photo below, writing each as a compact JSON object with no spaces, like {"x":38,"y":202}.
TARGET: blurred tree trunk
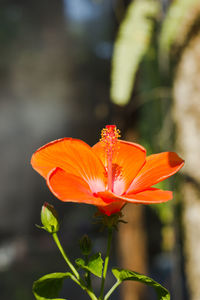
{"x":132,"y":250}
{"x":187,"y":118}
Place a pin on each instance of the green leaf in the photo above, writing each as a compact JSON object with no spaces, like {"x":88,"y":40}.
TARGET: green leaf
{"x":49,"y":286}
{"x":94,"y":265}
{"x":132,"y":43}
{"x":122,"y":275}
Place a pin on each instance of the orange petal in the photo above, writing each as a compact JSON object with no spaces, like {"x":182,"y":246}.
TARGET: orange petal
{"x":128,"y":159}
{"x":68,"y":187}
{"x":149,"y":196}
{"x":157,"y":168}
{"x":72,"y":155}
{"x":114,"y":202}
{"x":112,"y":208}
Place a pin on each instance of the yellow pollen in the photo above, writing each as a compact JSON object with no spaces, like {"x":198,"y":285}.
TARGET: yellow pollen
{"x":109,"y":137}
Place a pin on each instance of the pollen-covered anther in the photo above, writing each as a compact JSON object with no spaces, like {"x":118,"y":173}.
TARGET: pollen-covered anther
{"x":109,"y":136}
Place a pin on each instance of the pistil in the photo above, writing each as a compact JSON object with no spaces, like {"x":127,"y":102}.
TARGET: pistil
{"x":109,"y":136}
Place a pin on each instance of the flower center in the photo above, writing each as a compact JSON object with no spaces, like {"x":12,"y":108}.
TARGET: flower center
{"x":109,"y":136}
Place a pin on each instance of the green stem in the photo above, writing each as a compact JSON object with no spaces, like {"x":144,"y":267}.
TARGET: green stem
{"x":90,"y":293}
{"x":112,"y":290}
{"x":88,"y":275}
{"x":110,"y":232}
{"x":77,"y":277}
{"x":56,"y":239}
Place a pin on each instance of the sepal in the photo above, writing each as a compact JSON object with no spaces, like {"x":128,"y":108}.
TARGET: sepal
{"x":49,"y":218}
{"x":111,"y":221}
{"x":85,"y":245}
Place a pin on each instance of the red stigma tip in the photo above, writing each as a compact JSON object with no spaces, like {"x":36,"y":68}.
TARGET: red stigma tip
{"x":112,"y":127}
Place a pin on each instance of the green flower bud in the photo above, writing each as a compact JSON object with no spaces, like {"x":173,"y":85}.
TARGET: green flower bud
{"x":49,"y":218}
{"x":85,"y":245}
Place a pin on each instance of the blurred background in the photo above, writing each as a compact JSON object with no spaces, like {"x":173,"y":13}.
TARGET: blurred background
{"x":67,"y":68}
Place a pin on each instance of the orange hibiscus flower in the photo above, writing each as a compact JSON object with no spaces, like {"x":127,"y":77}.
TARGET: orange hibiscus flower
{"x":108,"y":175}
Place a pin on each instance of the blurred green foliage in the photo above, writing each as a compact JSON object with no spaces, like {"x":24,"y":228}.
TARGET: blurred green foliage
{"x":177,"y":17}
{"x":152,"y":115}
{"x":144,"y":41}
{"x":130,"y":46}
{"x":135,"y":34}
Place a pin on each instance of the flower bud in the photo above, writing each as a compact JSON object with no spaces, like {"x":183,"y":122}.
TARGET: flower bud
{"x":49,"y":218}
{"x":85,"y":245}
